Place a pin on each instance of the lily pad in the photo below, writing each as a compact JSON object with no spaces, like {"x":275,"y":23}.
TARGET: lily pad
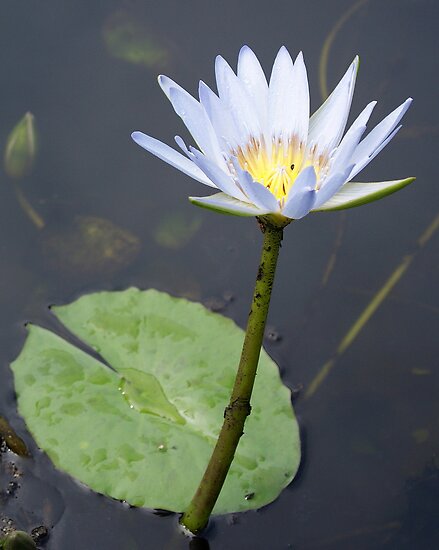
{"x":143,"y":430}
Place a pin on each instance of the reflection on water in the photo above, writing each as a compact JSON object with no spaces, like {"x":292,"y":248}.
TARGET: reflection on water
{"x":88,"y":73}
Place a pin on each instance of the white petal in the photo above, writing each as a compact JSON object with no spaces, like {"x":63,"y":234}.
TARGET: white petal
{"x":253,"y":78}
{"x":180,"y":142}
{"x":302,"y":195}
{"x":302,"y":204}
{"x":232,"y":91}
{"x":300,"y":100}
{"x":257,"y":193}
{"x":167,"y":83}
{"x":361,"y":165}
{"x":355,"y":194}
{"x":327,"y":125}
{"x":227,"y":205}
{"x":380,"y":133}
{"x":172,"y":157}
{"x":220,"y":116}
{"x":222,"y":180}
{"x":331,"y":186}
{"x":347,"y":147}
{"x":280,"y":93}
{"x":197,"y":122}
{"x":345,"y":150}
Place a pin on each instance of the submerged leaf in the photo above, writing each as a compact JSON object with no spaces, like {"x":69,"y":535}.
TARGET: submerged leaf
{"x":129,"y":39}
{"x":175,"y":230}
{"x":148,"y":444}
{"x":90,"y":245}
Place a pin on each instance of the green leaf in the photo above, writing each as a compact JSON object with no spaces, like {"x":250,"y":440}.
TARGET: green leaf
{"x":356,"y":194}
{"x":143,"y":430}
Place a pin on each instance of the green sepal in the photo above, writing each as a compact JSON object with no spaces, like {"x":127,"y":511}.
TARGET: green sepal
{"x":354,"y":194}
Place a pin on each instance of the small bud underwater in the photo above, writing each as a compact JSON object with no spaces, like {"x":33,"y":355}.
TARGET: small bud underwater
{"x":21,"y":148}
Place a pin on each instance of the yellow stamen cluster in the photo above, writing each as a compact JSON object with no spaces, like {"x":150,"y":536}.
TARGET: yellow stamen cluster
{"x":276,"y":166}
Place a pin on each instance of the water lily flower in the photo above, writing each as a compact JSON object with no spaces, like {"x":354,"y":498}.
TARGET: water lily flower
{"x":259,"y":147}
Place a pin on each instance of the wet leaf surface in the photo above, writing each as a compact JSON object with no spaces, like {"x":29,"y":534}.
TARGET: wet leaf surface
{"x":144,"y":431}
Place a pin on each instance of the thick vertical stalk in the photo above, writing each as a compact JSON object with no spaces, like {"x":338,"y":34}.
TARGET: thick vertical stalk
{"x":235,"y":414}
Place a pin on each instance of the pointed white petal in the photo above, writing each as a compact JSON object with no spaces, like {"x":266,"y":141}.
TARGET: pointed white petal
{"x":381,"y":131}
{"x":197,"y":122}
{"x":280,"y":94}
{"x":355,"y":194}
{"x":302,"y":195}
{"x":331,"y":186}
{"x":253,"y":78}
{"x":180,"y":142}
{"x":300,"y":100}
{"x":232,"y":91}
{"x":327,"y":124}
{"x":222,"y":180}
{"x":220,"y":116}
{"x":167,"y":83}
{"x":172,"y":157}
{"x":362,"y":164}
{"x":344,"y":152}
{"x":379,"y":135}
{"x":227,"y":205}
{"x":257,"y":193}
{"x":193,"y":115}
{"x":363,"y":118}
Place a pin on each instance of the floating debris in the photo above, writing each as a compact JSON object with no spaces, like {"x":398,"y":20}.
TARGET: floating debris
{"x":39,"y":533}
{"x":214,"y":303}
{"x":273,"y":335}
{"x":11,"y":439}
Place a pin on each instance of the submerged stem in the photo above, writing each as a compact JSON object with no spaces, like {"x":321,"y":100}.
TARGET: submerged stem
{"x":235,"y":414}
{"x":28,"y":209}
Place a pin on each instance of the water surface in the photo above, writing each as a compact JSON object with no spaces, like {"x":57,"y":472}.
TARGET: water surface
{"x":369,"y":476}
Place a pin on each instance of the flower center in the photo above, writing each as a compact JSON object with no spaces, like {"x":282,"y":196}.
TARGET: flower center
{"x":275,"y":166}
{"x":278,"y":165}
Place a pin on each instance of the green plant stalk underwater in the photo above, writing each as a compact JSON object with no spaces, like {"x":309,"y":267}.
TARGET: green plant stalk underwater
{"x":201,"y":506}
{"x":267,"y":158}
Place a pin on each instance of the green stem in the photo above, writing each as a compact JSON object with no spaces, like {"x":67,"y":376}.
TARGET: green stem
{"x":197,"y":514}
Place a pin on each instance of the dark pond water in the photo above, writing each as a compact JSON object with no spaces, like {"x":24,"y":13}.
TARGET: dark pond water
{"x":369,"y":478}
